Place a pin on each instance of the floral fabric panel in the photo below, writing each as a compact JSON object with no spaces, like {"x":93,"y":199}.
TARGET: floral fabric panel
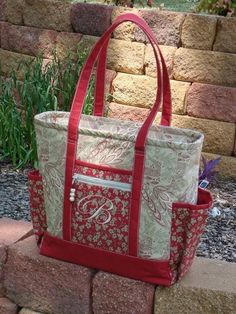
{"x":100,"y":212}
{"x":37,"y":210}
{"x":187,"y":227}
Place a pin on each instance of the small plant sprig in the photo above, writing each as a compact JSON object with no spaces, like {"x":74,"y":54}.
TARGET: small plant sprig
{"x":207,"y":171}
{"x":219,"y":7}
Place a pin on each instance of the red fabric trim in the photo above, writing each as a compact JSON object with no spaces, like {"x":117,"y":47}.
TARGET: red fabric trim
{"x":204,"y":201}
{"x":155,"y":272}
{"x":100,"y":82}
{"x":135,"y":203}
{"x":102,"y":167}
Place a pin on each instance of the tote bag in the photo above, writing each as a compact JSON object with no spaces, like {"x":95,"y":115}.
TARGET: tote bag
{"x":117,"y":195}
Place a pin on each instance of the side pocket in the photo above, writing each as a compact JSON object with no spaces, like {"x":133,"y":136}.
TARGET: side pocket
{"x":188,"y":223}
{"x":37,"y":211}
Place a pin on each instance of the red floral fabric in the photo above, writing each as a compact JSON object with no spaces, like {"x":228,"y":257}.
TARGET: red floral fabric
{"x":187,"y":227}
{"x":100,"y":215}
{"x":100,"y":173}
{"x":36,"y":198}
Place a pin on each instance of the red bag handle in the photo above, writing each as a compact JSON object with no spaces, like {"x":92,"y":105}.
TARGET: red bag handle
{"x":98,"y":109}
{"x":74,"y":118}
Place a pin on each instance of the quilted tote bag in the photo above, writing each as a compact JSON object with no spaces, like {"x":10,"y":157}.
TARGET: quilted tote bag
{"x":117,"y":195}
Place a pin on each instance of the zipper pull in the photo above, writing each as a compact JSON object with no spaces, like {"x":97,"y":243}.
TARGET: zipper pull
{"x":72,"y":195}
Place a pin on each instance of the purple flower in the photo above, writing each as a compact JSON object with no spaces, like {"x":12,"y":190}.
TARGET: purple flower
{"x":207,"y":172}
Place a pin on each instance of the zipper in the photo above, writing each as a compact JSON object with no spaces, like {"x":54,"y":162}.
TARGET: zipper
{"x":101,"y":182}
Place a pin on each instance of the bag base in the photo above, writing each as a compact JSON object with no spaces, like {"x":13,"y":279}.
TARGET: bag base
{"x":155,"y":272}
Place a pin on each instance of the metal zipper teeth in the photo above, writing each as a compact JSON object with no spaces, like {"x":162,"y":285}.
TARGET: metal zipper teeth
{"x":101,"y":182}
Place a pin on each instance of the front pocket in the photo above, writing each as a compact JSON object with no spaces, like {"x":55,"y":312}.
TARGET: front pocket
{"x":100,"y":211}
{"x":188,"y":223}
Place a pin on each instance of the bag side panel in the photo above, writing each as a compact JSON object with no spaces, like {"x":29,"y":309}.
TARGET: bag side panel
{"x":170,"y":176}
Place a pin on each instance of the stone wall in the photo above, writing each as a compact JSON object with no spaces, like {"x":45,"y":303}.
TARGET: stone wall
{"x":200,"y":52}
{"x":34,"y":284}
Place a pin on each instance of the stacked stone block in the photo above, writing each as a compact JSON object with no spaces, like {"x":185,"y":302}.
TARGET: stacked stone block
{"x":199,"y":50}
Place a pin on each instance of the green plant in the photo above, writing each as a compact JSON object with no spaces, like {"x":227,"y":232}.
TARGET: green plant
{"x":219,"y":7}
{"x":44,"y":87}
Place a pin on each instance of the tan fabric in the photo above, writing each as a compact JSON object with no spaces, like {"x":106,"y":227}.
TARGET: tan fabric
{"x":171,"y":169}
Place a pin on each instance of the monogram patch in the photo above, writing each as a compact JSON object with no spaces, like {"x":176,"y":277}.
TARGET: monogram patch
{"x":95,"y":207}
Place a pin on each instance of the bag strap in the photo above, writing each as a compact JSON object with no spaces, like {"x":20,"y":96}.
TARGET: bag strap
{"x":75,"y":115}
{"x":99,"y":103}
